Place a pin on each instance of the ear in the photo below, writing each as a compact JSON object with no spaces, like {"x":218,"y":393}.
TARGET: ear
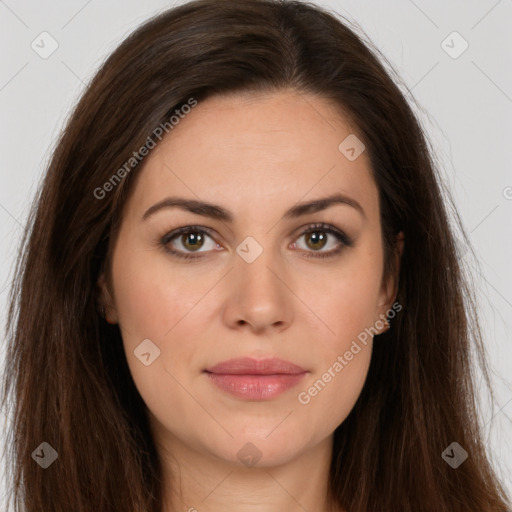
{"x":105,"y":300}
{"x":389,"y":288}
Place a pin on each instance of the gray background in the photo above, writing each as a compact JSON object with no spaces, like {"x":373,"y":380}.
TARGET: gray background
{"x":465,"y":104}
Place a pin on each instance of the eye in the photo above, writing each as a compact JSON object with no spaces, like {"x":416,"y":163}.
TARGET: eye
{"x":194,"y":238}
{"x":317,"y":237}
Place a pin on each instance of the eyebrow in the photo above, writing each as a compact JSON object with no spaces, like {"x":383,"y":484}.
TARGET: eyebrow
{"x":219,"y":213}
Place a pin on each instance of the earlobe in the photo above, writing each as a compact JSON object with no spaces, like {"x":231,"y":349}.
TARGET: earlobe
{"x":104,"y":300}
{"x":390,"y":287}
{"x":394,"y":278}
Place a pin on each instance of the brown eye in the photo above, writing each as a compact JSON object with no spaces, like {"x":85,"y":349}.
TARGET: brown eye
{"x":319,"y":236}
{"x":192,"y":241}
{"x":187,"y":240}
{"x":317,"y":239}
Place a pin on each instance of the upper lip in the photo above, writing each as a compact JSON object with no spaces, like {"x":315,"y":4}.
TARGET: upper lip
{"x":250,"y":366}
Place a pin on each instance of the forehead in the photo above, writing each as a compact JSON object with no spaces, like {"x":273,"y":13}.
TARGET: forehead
{"x":248,"y":148}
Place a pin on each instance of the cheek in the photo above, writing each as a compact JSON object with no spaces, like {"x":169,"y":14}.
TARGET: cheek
{"x":347,"y":308}
{"x":346,"y":304}
{"x":333,"y":389}
{"x":151,"y":296}
{"x":154,"y":302}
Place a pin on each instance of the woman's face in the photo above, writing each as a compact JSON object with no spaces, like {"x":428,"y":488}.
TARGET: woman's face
{"x":256,"y":285}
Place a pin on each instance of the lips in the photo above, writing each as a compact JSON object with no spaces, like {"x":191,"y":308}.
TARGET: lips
{"x":249,"y":366}
{"x":253,"y":379}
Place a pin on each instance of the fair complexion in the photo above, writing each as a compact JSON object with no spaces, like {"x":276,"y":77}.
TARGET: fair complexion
{"x":255,"y":156}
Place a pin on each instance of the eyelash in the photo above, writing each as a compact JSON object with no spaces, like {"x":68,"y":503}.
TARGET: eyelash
{"x":345,"y":240}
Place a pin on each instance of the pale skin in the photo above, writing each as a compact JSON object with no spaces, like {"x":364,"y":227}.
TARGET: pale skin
{"x":256,"y":156}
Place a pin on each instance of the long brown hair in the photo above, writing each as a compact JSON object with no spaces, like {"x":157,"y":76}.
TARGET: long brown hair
{"x":66,"y":375}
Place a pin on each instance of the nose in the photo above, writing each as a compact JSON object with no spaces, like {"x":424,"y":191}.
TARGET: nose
{"x":259,"y":298}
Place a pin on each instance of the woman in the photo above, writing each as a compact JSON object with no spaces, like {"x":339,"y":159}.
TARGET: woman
{"x":313,"y":355}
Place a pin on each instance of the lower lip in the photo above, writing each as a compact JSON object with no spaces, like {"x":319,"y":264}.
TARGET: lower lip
{"x":255,"y":387}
